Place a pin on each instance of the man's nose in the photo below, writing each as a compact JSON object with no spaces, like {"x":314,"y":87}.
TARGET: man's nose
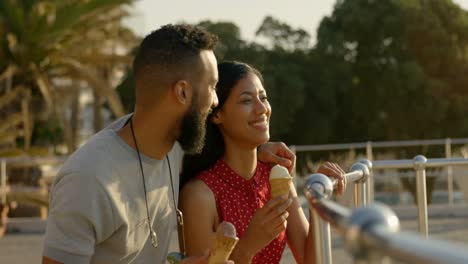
{"x":214,"y":100}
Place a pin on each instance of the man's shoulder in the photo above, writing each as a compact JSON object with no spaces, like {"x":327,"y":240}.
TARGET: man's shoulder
{"x":176,"y":152}
{"x":97,"y":156}
{"x":92,"y":153}
{"x":98,"y":148}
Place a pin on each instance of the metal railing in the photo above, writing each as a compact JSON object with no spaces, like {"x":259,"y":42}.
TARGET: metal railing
{"x":419,"y":164}
{"x":369,"y":146}
{"x":372,"y":233}
{"x":322,"y":237}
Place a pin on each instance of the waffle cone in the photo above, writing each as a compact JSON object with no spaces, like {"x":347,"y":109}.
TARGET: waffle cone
{"x":222,"y":249}
{"x":279,"y":186}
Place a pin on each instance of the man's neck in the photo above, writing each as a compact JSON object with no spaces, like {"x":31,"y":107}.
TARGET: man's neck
{"x":154,"y":137}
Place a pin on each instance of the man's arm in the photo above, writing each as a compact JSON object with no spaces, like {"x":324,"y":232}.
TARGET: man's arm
{"x":277,"y":153}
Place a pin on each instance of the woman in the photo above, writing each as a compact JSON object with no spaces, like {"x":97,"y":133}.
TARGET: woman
{"x":227,"y":183}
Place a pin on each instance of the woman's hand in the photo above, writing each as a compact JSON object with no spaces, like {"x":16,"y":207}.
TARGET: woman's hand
{"x":333,"y":170}
{"x":266,"y":224}
{"x":201,"y":259}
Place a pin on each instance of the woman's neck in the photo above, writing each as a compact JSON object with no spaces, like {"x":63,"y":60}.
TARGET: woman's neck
{"x":242,"y":160}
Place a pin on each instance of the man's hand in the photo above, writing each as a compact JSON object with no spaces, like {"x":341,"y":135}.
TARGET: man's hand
{"x":333,"y":170}
{"x":277,"y":153}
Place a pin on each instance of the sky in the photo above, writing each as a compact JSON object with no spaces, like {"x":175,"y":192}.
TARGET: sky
{"x":247,"y":14}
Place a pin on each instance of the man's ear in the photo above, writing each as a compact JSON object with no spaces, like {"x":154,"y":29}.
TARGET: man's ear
{"x":183,"y":92}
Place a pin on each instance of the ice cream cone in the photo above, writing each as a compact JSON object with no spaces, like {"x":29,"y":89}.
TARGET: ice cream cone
{"x":224,"y":243}
{"x":279,"y":187}
{"x":280,"y":181}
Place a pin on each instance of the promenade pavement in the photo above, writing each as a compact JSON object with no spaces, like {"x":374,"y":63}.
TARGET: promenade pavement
{"x":444,"y":223}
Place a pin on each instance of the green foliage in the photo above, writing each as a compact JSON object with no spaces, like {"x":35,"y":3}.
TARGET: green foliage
{"x":48,"y":133}
{"x":404,"y":64}
{"x":380,"y":70}
{"x":55,"y":48}
{"x":405,"y":60}
{"x":230,"y":41}
{"x":283,"y":36}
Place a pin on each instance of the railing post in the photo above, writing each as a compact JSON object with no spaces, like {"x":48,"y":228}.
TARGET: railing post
{"x":327,"y":253}
{"x":357,"y":194}
{"x":3,"y":181}
{"x":360,"y":196}
{"x":318,"y":236}
{"x":370,"y":181}
{"x":322,"y":237}
{"x":368,"y":184}
{"x":419,"y":163}
{"x":448,"y":155}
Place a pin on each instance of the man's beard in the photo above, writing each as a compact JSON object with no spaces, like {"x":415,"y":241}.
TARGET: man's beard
{"x":192,"y":137}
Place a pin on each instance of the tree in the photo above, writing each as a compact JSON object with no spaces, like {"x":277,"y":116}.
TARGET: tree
{"x":55,"y":48}
{"x":392,"y":93}
{"x":404,"y":64}
{"x":283,"y":36}
{"x":230,"y":41}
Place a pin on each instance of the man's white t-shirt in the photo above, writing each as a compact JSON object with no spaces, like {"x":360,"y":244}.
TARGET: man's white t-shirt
{"x":97,"y":203}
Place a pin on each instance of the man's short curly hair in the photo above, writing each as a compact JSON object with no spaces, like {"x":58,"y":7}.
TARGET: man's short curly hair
{"x":171,"y":52}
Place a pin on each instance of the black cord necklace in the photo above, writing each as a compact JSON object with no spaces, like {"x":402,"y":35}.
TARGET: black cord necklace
{"x":153,"y":235}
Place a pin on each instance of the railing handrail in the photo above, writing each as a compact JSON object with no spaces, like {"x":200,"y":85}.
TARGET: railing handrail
{"x":375,"y":228}
{"x":410,"y":163}
{"x":412,"y":248}
{"x":358,"y":173}
{"x":380,"y":144}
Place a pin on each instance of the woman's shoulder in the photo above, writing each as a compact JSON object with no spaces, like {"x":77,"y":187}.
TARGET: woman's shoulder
{"x":197,"y":202}
{"x":196,"y":191}
{"x":195,"y":186}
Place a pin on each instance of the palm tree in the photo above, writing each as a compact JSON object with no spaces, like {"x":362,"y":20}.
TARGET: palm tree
{"x":51,"y":50}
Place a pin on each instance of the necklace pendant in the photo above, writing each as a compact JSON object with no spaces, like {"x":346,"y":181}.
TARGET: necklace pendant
{"x":154,"y":239}
{"x":180,"y":217}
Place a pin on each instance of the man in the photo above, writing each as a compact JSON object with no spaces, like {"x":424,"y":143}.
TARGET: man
{"x":114,"y":199}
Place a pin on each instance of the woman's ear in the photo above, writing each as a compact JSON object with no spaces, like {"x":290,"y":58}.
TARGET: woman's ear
{"x":216,"y":118}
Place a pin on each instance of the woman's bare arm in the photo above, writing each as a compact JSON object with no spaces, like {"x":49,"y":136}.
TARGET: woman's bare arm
{"x":198,"y":205}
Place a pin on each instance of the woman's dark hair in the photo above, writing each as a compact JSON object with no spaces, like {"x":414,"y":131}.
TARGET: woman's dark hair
{"x":229,"y":73}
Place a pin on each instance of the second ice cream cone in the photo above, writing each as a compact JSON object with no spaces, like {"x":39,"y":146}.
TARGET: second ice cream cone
{"x":224,"y":243}
{"x":222,"y":249}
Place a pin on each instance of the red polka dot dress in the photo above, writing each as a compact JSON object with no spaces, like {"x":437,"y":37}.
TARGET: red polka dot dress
{"x":237,"y":199}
